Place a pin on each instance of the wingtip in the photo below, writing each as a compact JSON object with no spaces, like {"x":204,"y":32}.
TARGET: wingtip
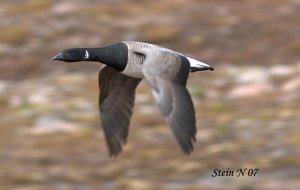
{"x":114,"y":154}
{"x":187,"y":152}
{"x":187,"y":149}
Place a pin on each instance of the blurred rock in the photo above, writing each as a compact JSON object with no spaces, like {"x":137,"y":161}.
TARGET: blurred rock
{"x":252,"y":75}
{"x":49,"y":124}
{"x":17,"y":100}
{"x":142,"y":98}
{"x":41,"y":95}
{"x":40,"y":98}
{"x":190,"y":166}
{"x":141,"y":184}
{"x":281,"y":70}
{"x":205,"y":135}
{"x":278,"y":153}
{"x":146,"y":109}
{"x":249,"y":90}
{"x":84,"y":105}
{"x":212,"y":94}
{"x":3,"y":87}
{"x":292,"y":84}
{"x":63,"y":8}
{"x":231,"y":70}
{"x":6,"y":48}
{"x":214,"y":148}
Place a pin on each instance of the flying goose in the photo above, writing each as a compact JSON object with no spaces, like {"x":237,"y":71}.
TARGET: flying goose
{"x":127,"y":63}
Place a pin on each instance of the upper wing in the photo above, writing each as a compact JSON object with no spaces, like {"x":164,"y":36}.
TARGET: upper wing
{"x":116,"y":101}
{"x":167,"y":73}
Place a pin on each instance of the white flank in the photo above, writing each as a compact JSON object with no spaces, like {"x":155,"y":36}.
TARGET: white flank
{"x":86,"y":56}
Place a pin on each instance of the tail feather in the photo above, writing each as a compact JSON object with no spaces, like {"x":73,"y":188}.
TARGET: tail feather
{"x":198,"y":65}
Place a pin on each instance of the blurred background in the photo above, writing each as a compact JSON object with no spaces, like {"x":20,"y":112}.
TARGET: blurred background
{"x":248,"y":109}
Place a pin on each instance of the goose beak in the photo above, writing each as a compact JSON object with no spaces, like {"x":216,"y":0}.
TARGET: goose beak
{"x":58,"y":57}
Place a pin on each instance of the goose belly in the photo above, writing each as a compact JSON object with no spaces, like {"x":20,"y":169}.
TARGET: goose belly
{"x":135,"y":61}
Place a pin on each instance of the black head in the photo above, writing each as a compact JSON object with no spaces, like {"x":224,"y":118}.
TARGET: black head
{"x":72,"y":55}
{"x":115,"y":55}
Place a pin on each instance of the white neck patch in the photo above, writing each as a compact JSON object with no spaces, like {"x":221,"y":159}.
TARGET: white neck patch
{"x":86,"y":56}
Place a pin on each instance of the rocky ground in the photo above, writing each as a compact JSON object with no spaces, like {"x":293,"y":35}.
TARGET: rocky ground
{"x":248,"y":109}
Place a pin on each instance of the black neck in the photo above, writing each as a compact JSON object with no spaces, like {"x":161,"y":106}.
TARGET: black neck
{"x":115,"y":55}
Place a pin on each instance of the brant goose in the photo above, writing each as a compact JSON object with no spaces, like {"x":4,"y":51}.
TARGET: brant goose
{"x":128,"y":63}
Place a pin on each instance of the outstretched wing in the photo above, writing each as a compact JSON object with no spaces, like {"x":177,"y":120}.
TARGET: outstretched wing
{"x":167,"y":73}
{"x":116,"y":101}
